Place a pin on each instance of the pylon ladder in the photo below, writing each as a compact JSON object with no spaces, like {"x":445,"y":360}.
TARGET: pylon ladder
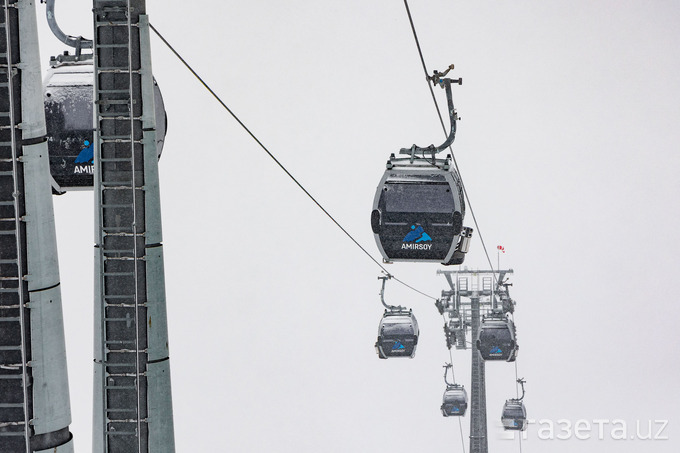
{"x":119,"y":188}
{"x":15,"y":372}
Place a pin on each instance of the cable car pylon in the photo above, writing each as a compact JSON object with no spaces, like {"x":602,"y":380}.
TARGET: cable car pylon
{"x":471,"y":293}
{"x":35,"y":411}
{"x":132,"y":392}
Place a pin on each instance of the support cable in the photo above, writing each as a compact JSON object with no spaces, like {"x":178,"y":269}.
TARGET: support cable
{"x":285,"y":170}
{"x":453,"y":156}
{"x":455,"y":163}
{"x":512,"y":315}
{"x":517,"y":381}
{"x":453,"y":376}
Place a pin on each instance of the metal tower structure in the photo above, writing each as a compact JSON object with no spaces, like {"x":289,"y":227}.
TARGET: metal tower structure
{"x":472,"y":293}
{"x":34,"y":399}
{"x":132,"y":397}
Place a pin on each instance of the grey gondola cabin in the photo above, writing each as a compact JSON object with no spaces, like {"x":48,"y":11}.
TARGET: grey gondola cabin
{"x":418,"y":208}
{"x":418,"y":212}
{"x":68,"y":90}
{"x":454,"y":401}
{"x":514,"y":416}
{"x":496,"y":340}
{"x":397,"y":334}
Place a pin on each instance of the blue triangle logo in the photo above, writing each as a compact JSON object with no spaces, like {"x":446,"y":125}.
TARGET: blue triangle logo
{"x":424,"y":237}
{"x":86,"y":154}
{"x":417,"y":235}
{"x":398,"y":345}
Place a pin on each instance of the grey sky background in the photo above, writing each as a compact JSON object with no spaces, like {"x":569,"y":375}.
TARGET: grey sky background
{"x":568,"y":146}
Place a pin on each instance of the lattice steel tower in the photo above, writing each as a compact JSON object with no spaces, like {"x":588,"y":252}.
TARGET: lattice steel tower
{"x":471,"y":293}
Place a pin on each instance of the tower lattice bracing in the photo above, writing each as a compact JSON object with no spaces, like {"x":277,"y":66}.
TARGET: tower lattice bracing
{"x":132,"y":398}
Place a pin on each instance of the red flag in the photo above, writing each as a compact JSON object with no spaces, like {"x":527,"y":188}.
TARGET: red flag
{"x":501,"y":248}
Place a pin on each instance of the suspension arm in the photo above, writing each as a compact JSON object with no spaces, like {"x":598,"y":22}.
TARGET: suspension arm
{"x":72,"y":41}
{"x":446,"y":83}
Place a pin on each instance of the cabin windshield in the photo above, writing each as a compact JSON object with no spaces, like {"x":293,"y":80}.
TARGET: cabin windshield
{"x":404,"y":328}
{"x":455,"y":396}
{"x":497,"y":334}
{"x":418,"y":198}
{"x":514,"y":412}
{"x":69,"y":107}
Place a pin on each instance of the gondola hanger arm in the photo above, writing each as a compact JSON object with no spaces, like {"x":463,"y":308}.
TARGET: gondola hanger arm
{"x":446,"y":372}
{"x":521,"y":382}
{"x":72,"y":41}
{"x":384,"y":278}
{"x":445,"y":83}
{"x":436,"y":77}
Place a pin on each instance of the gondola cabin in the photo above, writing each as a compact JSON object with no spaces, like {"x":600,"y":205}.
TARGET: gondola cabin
{"x":68,"y":94}
{"x":418,"y":212}
{"x":397,"y":334}
{"x":454,"y":401}
{"x":514,"y":415}
{"x":496,"y":340}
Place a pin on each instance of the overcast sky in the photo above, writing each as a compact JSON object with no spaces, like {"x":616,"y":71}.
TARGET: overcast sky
{"x":569,"y":148}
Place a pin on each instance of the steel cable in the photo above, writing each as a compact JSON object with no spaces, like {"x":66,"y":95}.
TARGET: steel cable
{"x":519,"y":434}
{"x":467,"y":198}
{"x":453,"y":156}
{"x":460,"y":422}
{"x":205,"y":85}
